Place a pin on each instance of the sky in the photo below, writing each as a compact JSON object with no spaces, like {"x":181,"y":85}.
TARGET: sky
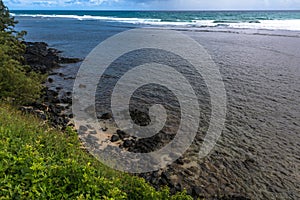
{"x":153,"y":4}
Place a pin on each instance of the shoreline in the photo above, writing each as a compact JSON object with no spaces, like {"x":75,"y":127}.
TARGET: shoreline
{"x":255,"y":53}
{"x":259,"y":141}
{"x":51,"y":107}
{"x":54,"y":107}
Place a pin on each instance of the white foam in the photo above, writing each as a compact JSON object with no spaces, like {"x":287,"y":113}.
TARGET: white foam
{"x":292,"y":24}
{"x":89,"y":17}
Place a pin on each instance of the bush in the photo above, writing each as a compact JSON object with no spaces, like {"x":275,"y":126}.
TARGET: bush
{"x":17,"y":82}
{"x":38,"y":162}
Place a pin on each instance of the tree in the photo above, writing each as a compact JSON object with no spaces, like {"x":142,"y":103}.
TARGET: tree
{"x":17,"y":82}
{"x":7,"y":23}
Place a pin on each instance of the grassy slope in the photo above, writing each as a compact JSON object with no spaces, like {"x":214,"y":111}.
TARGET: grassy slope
{"x":37,"y":162}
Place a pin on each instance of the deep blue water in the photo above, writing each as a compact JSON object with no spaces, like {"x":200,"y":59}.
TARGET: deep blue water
{"x":179,"y":16}
{"x":75,"y":38}
{"x":78,"y":32}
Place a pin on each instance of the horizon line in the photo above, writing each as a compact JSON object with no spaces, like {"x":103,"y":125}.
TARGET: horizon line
{"x":156,"y":10}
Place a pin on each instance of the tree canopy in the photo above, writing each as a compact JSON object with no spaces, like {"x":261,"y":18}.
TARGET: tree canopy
{"x":7,"y":22}
{"x":18,"y":83}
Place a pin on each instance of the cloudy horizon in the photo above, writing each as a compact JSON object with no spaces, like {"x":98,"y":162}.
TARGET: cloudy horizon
{"x":153,"y":4}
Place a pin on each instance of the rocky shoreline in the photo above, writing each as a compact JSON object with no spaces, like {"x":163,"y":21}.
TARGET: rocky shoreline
{"x":55,"y":107}
{"x":51,"y":107}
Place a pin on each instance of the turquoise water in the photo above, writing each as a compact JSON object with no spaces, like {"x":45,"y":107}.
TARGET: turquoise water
{"x":271,"y":20}
{"x":180,"y":16}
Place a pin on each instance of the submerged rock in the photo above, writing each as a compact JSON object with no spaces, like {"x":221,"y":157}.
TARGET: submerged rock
{"x":122,"y":134}
{"x":105,"y":116}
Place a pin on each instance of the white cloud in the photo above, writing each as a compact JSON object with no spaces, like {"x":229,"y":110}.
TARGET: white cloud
{"x":156,"y":4}
{"x":55,"y":3}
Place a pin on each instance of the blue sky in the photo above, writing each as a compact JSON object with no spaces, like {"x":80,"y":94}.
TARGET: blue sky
{"x":154,"y":4}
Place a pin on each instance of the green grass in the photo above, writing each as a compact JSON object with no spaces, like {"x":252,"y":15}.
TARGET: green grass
{"x":38,"y":162}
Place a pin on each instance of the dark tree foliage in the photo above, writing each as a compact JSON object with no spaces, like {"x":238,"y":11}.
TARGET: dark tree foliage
{"x":6,"y":21}
{"x":17,"y":83}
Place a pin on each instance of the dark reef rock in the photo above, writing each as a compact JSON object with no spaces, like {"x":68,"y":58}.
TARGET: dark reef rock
{"x":128,"y":143}
{"x":53,"y":106}
{"x":122,"y":134}
{"x":140,"y":118}
{"x":115,"y":138}
{"x":42,"y":59}
{"x":105,"y":116}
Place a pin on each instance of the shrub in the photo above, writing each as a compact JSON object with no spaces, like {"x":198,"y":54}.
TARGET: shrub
{"x":38,"y":162}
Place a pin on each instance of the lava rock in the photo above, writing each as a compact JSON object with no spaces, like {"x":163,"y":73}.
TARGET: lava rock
{"x":50,"y":80}
{"x":115,"y":138}
{"x":128,"y":143}
{"x":83,"y":128}
{"x":93,"y":132}
{"x":178,"y":187}
{"x":165,"y":175}
{"x":106,"y":116}
{"x":42,"y":59}
{"x":140,"y":118}
{"x":180,"y":161}
{"x":196,"y":191}
{"x":122,"y":134}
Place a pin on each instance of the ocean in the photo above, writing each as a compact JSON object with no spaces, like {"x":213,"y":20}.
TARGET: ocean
{"x":258,"y":56}
{"x":273,"y":20}
{"x":111,"y":22}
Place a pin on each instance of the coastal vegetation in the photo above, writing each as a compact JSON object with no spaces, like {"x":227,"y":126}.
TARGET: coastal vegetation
{"x":18,"y":83}
{"x":38,"y":161}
